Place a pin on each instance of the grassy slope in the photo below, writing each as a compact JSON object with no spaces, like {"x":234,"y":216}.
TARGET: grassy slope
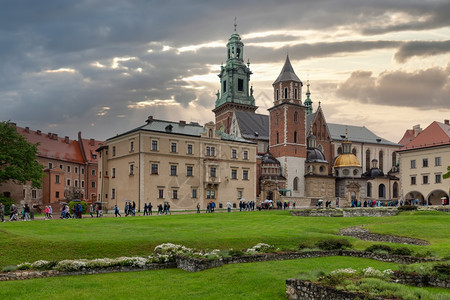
{"x":111,"y":237}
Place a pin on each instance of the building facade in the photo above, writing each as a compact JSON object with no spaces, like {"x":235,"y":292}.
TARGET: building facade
{"x":181,"y":163}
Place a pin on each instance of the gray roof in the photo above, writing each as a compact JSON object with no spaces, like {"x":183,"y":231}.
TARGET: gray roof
{"x":310,"y":118}
{"x":253,"y":126}
{"x":356,"y":134}
{"x":287,"y":73}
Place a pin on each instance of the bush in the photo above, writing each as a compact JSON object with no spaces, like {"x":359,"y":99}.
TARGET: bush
{"x":302,"y":246}
{"x":407,"y":207}
{"x":442,"y":269}
{"x":379,"y":248}
{"x":7,"y":202}
{"x":333,"y":244}
{"x":402,"y":251}
{"x":236,"y":253}
{"x":83,"y":204}
{"x":9,"y":268}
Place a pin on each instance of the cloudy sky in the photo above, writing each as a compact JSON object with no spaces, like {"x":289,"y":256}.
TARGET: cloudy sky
{"x":101,"y":67}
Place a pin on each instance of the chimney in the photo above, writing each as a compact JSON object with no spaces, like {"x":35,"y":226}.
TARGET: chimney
{"x":66,"y":139}
{"x":149,"y":119}
{"x":446,"y":122}
{"x":27,"y":129}
{"x":417,"y":129}
{"x":49,"y":135}
{"x":38,"y":132}
{"x":182,"y":123}
{"x":92,"y":142}
{"x":55,"y":136}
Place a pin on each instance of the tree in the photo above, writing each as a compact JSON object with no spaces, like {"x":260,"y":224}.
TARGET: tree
{"x":73,"y":193}
{"x":18,"y":158}
{"x":447,"y":175}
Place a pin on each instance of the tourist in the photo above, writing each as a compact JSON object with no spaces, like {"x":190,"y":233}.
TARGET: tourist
{"x":145,"y":209}
{"x":46,"y":212}
{"x":13,"y":212}
{"x":79,"y":211}
{"x":67,"y":212}
{"x":168,"y":209}
{"x":2,"y":212}
{"x":125,"y":210}
{"x":198,"y":208}
{"x":50,"y":212}
{"x":133,"y":208}
{"x":116,"y":211}
{"x":229,"y":206}
{"x":91,"y":210}
{"x":160,"y":209}
{"x":26,"y":212}
{"x":150,"y":206}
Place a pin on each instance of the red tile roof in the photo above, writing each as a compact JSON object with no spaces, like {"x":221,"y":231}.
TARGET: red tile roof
{"x":89,"y":147}
{"x":407,"y":137}
{"x":435,"y":134}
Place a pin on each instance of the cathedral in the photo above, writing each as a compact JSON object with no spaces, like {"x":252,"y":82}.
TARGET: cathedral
{"x":301,"y":157}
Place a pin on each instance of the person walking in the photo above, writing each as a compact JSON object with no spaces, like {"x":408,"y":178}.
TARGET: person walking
{"x":150,"y":206}
{"x":228,"y":206}
{"x":198,"y":208}
{"x":26,"y":212}
{"x":145,"y":209}
{"x":91,"y":210}
{"x":116,"y":211}
{"x":50,"y":212}
{"x":168,"y":209}
{"x":133,"y":209}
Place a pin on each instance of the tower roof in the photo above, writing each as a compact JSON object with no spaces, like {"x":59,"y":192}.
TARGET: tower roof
{"x":287,"y":73}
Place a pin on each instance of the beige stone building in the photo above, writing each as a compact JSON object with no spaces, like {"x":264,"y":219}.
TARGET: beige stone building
{"x":423,"y":161}
{"x":182,"y":163}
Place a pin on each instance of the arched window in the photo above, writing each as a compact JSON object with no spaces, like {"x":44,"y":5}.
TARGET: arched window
{"x":381,"y":191}
{"x":295,"y":136}
{"x":367,"y":159}
{"x":295,"y":117}
{"x":276,"y":119}
{"x":295,"y":184}
{"x":369,"y":189}
{"x":395,"y":190}
{"x":380,"y":160}
{"x":339,"y":150}
{"x":394,"y":159}
{"x":278,"y":96}
{"x":295,"y":94}
{"x":278,"y":137}
{"x":354,"y":151}
{"x":285,"y":93}
{"x":210,"y":134}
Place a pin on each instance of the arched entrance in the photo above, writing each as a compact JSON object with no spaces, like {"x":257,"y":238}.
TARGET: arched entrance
{"x":437,"y":197}
{"x":413,"y":196}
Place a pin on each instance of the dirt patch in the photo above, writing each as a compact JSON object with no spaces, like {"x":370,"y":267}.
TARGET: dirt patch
{"x":364,"y":234}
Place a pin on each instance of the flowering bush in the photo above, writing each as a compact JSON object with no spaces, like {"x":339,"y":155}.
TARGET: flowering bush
{"x":71,"y":265}
{"x":24,"y":266}
{"x":343,"y":271}
{"x":42,"y":265}
{"x":172,"y":249}
{"x":135,"y":261}
{"x":261,"y":248}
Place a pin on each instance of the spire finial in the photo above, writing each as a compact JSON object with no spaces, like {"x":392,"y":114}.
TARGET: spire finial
{"x":346,"y":133}
{"x":235,"y":24}
{"x":307,"y":87}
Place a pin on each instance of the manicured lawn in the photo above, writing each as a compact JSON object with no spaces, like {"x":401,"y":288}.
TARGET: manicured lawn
{"x":264,"y":280}
{"x":114,"y":237}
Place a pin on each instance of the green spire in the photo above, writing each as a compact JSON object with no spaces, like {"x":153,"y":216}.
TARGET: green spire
{"x":308,"y":102}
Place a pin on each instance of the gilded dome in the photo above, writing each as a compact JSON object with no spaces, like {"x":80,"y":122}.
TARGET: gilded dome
{"x":347,"y":160}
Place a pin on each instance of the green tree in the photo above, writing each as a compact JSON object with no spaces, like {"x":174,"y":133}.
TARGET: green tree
{"x":18,"y":158}
{"x":447,"y":175}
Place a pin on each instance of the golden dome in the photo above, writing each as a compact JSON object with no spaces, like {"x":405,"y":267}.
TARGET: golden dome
{"x":347,"y":160}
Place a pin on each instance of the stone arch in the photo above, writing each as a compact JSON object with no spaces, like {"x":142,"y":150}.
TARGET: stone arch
{"x":435,"y":197}
{"x":369,"y":189}
{"x":295,"y":184}
{"x":395,"y":190}
{"x":381,"y":191}
{"x":412,"y":195}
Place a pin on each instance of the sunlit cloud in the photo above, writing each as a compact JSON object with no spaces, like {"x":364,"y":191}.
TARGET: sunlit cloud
{"x":103,"y":111}
{"x":156,"y":102}
{"x":61,"y":70}
{"x":214,"y":44}
{"x":117,"y":60}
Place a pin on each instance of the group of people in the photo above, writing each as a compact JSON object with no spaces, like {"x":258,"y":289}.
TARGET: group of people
{"x":164,"y":209}
{"x":14,"y":213}
{"x":246,"y":205}
{"x":210,"y":207}
{"x":48,"y":210}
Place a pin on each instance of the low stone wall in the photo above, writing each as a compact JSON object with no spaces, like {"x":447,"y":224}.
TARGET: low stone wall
{"x":31,"y":274}
{"x":364,"y":234}
{"x":194,"y":264}
{"x":305,"y":290}
{"x":420,"y":280}
{"x":348,"y":212}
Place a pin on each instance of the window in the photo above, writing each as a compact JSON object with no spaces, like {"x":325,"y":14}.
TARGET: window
{"x":295,"y":93}
{"x":57,"y":179}
{"x":278,"y":137}
{"x":68,"y":182}
{"x":113,"y":172}
{"x":93,"y":184}
{"x":190,"y":149}
{"x":57,"y":194}
{"x":437,"y":178}
{"x":213,"y":151}
{"x":369,"y":189}
{"x":295,"y":184}
{"x":113,"y":194}
{"x":413,"y":180}
{"x":212,"y":172}
{"x":131,"y":146}
{"x":224,"y":86}
{"x":239,"y":194}
{"x":395,"y":190}
{"x":413,"y":163}
{"x":75,"y":183}
{"x":233,"y":153}
{"x":175,"y":194}
{"x":295,"y":137}
{"x":189,"y":171}
{"x":154,"y":145}
{"x":381,"y":191}
{"x":82,"y":183}
{"x":233,"y":174}
{"x":367,"y":159}
{"x":160,"y":193}
{"x":154,"y":169}
{"x":131,"y":169}
{"x":437,"y":161}
{"x":425,"y":162}
{"x":68,"y":169}
{"x":394,"y":159}
{"x":61,"y":167}
{"x":194,"y":193}
{"x":33,"y":194}
{"x":114,"y":151}
{"x":245,"y":154}
{"x":296,"y":114}
{"x":380,"y":160}
{"x":210,"y":194}
{"x":339,"y":150}
{"x":50,"y":165}
{"x":245,"y":174}
{"x":210,"y":151}
{"x":240,"y":84}
{"x":82,"y":171}
{"x":278,"y":96}
{"x":76,"y":170}
{"x":93,"y":172}
{"x":285,"y":93}
{"x":173,"y":170}
{"x":173,"y":147}
{"x":425,"y":179}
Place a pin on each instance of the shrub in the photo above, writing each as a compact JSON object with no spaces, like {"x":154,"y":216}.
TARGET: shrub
{"x":402,"y":251}
{"x":83,"y":204}
{"x":379,"y":248}
{"x":9,"y":268}
{"x":261,"y":248}
{"x":7,"y":202}
{"x":24,"y":266}
{"x":43,"y":265}
{"x":443,"y":270}
{"x":302,"y":246}
{"x":236,"y":253}
{"x":407,"y":207}
{"x":333,"y":244}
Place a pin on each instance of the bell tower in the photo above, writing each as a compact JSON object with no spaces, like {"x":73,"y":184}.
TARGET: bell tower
{"x":288,"y":128}
{"x":235,"y":93}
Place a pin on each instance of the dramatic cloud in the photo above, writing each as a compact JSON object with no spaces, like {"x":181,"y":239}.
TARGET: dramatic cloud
{"x":427,"y":89}
{"x":424,"y":49}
